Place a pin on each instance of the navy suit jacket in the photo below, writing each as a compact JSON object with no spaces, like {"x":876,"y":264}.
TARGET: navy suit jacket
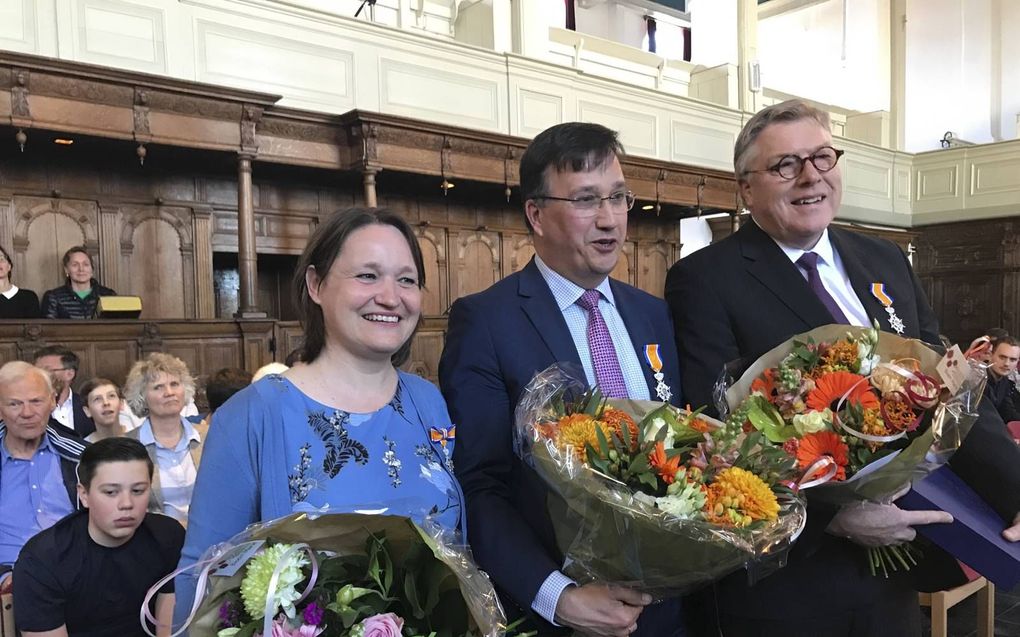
{"x":497,"y":341}
{"x":739,"y":298}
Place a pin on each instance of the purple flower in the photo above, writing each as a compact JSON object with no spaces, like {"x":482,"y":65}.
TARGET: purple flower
{"x":229,"y":615}
{"x":384,"y":625}
{"x":312,"y":614}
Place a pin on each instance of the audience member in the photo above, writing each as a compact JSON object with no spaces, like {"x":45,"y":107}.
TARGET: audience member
{"x":346,"y":429}
{"x":102,"y":402}
{"x":157,"y":388}
{"x":15,"y":302}
{"x":293,"y":358}
{"x":37,"y":463}
{"x":89,"y":573}
{"x":79,"y":296}
{"x":1001,"y":388}
{"x":222,"y":384}
{"x":62,"y":364}
{"x":562,"y":307}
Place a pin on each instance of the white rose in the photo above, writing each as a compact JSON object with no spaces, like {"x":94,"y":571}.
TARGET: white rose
{"x":813,"y":421}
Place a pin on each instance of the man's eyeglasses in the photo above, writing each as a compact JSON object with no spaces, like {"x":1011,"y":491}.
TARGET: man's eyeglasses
{"x":790,"y":166}
{"x":618,"y":202}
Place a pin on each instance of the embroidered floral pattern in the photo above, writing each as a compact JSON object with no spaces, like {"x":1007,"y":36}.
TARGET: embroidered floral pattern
{"x":391,"y":461}
{"x":340,"y":447}
{"x":427,"y":453}
{"x":299,"y":482}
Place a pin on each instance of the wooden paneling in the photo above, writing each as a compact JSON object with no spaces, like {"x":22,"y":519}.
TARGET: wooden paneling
{"x":156,"y":269}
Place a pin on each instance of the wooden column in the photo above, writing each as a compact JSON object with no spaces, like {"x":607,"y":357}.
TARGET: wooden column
{"x":205,"y":301}
{"x":109,"y":247}
{"x":247,"y":264}
{"x":368,"y":181}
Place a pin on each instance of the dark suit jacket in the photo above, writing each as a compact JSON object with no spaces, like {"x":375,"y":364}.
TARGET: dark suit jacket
{"x":740,"y":298}
{"x":83,"y":425}
{"x":497,"y":341}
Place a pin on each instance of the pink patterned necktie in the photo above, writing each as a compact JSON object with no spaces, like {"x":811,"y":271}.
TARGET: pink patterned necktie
{"x":603,"y":353}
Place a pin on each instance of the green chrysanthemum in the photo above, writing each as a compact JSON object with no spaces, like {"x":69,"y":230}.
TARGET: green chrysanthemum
{"x":255,"y":586}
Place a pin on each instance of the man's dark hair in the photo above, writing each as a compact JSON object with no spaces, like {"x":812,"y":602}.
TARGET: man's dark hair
{"x":322,"y":250}
{"x":110,"y":450}
{"x":1004,"y":340}
{"x":72,"y":250}
{"x":67,"y":358}
{"x":574,"y":146}
{"x":93,"y":384}
{"x":224,"y":383}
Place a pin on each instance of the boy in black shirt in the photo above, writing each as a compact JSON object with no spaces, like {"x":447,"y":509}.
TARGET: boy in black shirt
{"x":87,"y":575}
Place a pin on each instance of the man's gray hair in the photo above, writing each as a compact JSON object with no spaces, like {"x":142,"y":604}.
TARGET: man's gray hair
{"x":17,"y":370}
{"x":783,"y":112}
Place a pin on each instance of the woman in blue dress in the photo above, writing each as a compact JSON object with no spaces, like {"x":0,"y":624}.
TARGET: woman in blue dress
{"x":345,"y":429}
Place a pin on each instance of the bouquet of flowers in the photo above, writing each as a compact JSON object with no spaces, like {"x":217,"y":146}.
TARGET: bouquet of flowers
{"x":863,"y":412}
{"x":648,"y":496}
{"x":345,"y":575}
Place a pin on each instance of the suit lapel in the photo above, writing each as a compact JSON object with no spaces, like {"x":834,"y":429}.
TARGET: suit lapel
{"x":767,"y":263}
{"x":861,"y":277}
{"x":540,"y":307}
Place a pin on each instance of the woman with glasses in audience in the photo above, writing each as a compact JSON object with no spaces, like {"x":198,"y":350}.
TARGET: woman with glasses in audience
{"x":156,"y":389}
{"x":15,"y":302}
{"x":345,"y":430}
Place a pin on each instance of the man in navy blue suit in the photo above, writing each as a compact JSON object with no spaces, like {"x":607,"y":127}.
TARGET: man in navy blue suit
{"x":562,"y":307}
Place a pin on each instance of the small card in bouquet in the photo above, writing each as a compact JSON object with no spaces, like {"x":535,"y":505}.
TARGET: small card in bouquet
{"x":975,"y":536}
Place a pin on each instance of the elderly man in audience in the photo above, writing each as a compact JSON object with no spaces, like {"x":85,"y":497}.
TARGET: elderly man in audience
{"x":37,"y":463}
{"x":89,"y":573}
{"x":157,"y":388}
{"x":79,"y":296}
{"x":102,"y":402}
{"x":62,"y":364}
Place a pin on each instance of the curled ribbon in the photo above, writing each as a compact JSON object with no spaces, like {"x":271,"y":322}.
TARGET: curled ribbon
{"x":893,"y":367}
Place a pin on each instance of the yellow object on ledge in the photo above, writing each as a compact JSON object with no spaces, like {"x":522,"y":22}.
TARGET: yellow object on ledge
{"x":119,"y":307}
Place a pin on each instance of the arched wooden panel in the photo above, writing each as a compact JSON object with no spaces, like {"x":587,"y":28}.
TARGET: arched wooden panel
{"x":49,"y":236}
{"x":519,"y":249}
{"x":476,"y":262}
{"x":156,"y":269}
{"x":623,"y":270}
{"x":654,"y":262}
{"x":435,"y":297}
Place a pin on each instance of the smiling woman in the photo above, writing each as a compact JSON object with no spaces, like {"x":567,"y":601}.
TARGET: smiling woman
{"x":343,"y":430}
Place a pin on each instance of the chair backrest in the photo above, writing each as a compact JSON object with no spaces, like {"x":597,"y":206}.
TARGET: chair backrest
{"x":7,"y":615}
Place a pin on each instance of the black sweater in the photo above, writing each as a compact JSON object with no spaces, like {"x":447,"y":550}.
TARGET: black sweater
{"x":23,"y":305}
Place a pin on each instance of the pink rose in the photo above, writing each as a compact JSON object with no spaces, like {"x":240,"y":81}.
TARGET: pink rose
{"x":385,"y":625}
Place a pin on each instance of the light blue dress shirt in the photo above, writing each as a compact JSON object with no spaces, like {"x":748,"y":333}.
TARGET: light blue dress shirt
{"x":32,"y":497}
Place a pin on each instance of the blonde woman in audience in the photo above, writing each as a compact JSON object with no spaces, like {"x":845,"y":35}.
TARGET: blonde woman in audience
{"x":101,"y":402}
{"x":157,"y":388}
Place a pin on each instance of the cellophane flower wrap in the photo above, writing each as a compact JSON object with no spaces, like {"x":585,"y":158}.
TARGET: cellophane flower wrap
{"x":346,"y":575}
{"x":863,"y":412}
{"x":651,"y":497}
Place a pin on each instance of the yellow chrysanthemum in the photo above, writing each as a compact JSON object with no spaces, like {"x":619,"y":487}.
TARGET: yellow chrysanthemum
{"x":578,"y":430}
{"x":737,"y":497}
{"x":874,"y":426}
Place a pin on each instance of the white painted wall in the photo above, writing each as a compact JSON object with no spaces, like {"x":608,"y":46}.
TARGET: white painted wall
{"x":695,"y":234}
{"x":1008,"y":70}
{"x":949,"y":69}
{"x":802,"y":53}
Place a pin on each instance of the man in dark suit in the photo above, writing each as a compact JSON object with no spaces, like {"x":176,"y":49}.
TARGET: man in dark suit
{"x":562,"y":307}
{"x":69,"y":414}
{"x":785,"y":272}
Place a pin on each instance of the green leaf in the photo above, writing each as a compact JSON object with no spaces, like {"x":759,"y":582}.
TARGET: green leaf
{"x":248,"y":630}
{"x":603,"y":443}
{"x":766,"y":419}
{"x":411,"y":595}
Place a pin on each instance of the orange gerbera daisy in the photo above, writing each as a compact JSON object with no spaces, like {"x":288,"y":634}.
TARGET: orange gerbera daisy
{"x":664,"y":466}
{"x":823,"y":443}
{"x":766,"y":383}
{"x":830,"y":387}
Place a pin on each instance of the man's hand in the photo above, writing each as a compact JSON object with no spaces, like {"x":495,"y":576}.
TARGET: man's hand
{"x":599,"y":610}
{"x":1013,"y":533}
{"x":874,"y":524}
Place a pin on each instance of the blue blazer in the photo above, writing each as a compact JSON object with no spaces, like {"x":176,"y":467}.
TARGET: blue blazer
{"x":497,"y":341}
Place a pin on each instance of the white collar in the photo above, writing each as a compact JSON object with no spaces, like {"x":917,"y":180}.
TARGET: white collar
{"x":11,"y":292}
{"x":823,"y":249}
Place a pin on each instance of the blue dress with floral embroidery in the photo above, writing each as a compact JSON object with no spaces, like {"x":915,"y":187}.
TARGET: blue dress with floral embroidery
{"x":272,"y":451}
{"x":388,"y":459}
